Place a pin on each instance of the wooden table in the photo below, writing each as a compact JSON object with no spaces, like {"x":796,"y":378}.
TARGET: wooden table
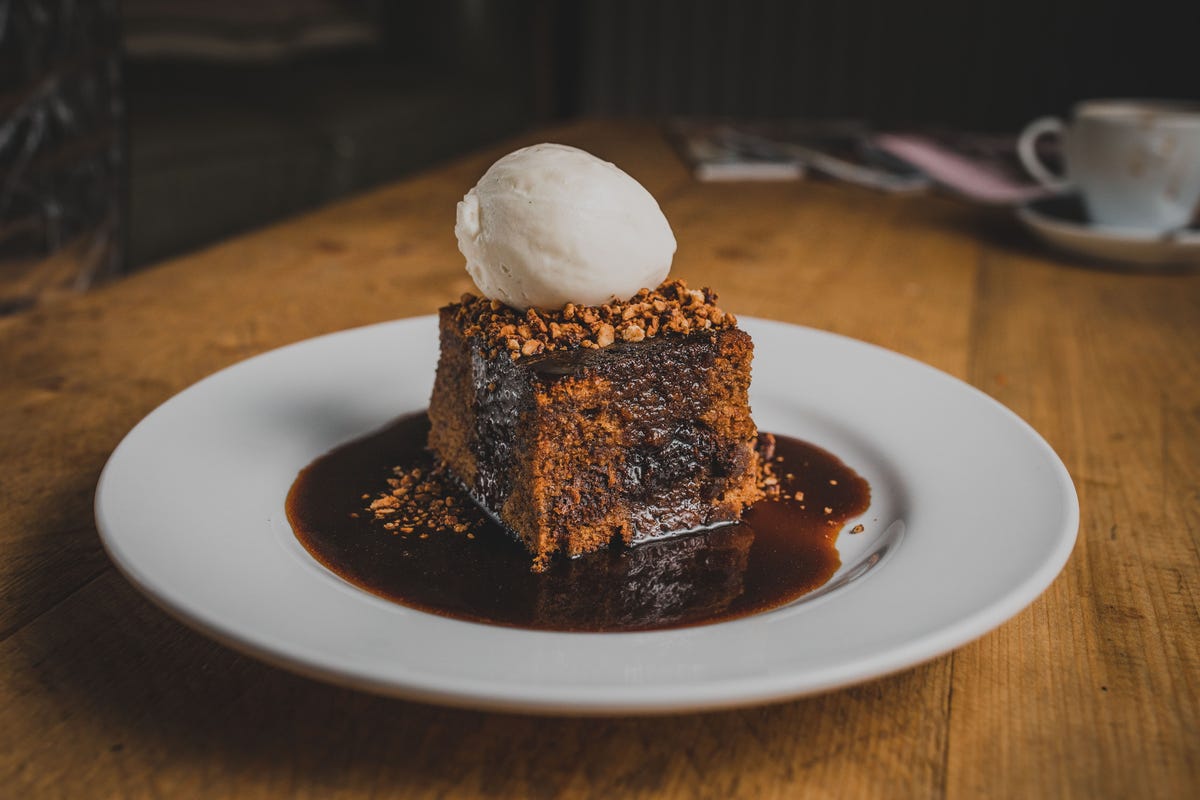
{"x":1090,"y":692}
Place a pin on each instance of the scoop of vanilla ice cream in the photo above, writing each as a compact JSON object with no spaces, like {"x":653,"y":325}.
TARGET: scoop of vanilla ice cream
{"x":550,"y":224}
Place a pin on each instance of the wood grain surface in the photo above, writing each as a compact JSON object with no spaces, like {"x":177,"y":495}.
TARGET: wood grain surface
{"x":1090,"y":692}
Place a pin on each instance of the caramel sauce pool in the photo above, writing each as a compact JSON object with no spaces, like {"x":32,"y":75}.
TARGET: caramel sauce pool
{"x":780,"y":551}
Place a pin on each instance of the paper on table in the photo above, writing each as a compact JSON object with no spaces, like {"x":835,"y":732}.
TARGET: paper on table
{"x":724,"y":153}
{"x":979,"y":179}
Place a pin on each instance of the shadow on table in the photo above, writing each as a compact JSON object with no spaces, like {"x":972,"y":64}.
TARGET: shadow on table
{"x":998,"y":228}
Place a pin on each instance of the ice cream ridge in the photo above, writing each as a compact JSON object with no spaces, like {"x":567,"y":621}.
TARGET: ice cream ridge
{"x":583,"y":400}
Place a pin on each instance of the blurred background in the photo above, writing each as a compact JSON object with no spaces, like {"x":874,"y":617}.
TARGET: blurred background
{"x":134,"y":131}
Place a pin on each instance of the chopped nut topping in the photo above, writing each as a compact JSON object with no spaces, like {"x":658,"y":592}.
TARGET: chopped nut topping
{"x":671,"y":308}
{"x":605,"y":336}
{"x":768,"y":481}
{"x":423,"y":500}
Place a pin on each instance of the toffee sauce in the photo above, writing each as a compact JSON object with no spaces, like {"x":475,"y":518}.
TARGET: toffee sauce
{"x":782,"y":549}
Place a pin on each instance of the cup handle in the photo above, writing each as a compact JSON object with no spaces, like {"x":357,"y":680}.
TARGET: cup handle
{"x":1027,"y":150}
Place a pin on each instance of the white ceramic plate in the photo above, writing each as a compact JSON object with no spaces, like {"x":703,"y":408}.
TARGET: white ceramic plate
{"x":972,"y":516}
{"x":1062,"y":223}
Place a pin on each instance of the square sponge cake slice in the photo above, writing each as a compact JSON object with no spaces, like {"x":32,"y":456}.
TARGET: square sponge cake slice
{"x":576,"y":429}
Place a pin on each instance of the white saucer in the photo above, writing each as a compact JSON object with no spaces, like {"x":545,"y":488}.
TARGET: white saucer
{"x":1062,"y":222}
{"x":972,"y":515}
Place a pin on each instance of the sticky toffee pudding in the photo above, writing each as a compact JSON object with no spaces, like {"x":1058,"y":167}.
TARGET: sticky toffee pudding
{"x":588,"y":461}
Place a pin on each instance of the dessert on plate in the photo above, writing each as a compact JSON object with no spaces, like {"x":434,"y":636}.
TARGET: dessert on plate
{"x":584,"y":399}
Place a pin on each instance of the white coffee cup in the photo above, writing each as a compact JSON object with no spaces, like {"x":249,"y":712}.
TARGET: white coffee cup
{"x":1135,"y":162}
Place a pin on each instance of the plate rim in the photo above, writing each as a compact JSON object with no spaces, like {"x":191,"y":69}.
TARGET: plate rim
{"x":709,"y":694}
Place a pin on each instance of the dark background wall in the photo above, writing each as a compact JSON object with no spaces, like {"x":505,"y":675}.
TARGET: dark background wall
{"x":174,"y":150}
{"x":985,"y":65}
{"x":219,"y":146}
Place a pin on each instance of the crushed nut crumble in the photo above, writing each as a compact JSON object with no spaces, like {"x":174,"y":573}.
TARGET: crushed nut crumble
{"x":422,"y":500}
{"x":671,"y":308}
